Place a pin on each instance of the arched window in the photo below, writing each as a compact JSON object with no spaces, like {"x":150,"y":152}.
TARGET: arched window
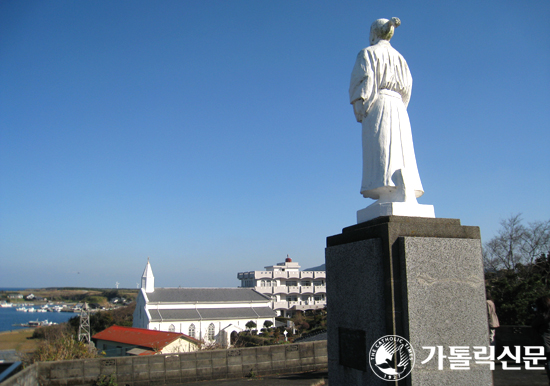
{"x":192,"y":330}
{"x":211,"y":331}
{"x":172,"y":328}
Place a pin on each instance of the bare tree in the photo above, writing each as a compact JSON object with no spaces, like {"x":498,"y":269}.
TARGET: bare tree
{"x":537,"y":241}
{"x":516,"y":244}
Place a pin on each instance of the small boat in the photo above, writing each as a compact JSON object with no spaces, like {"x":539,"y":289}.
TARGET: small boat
{"x":35,"y":323}
{"x":22,"y":309}
{"x":5,"y":305}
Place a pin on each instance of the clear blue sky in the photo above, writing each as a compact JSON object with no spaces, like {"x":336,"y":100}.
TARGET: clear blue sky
{"x":217,"y":136}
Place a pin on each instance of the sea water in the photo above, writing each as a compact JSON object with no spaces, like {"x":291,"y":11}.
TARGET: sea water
{"x":9,"y":316}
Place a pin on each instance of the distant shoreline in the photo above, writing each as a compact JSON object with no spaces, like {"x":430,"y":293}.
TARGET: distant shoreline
{"x":16,"y":331}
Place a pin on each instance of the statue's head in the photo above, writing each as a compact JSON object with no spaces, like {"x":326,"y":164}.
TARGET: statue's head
{"x":382,"y":29}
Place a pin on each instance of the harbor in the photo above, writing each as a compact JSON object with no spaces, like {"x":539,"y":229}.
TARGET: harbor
{"x":11,"y":319}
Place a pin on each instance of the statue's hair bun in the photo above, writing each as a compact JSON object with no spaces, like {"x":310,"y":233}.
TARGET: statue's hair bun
{"x":395,"y":22}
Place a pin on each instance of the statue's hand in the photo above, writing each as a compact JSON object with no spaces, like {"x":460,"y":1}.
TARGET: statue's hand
{"x":359,"y":110}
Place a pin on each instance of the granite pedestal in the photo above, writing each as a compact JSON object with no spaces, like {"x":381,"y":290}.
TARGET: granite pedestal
{"x":418,"y":278}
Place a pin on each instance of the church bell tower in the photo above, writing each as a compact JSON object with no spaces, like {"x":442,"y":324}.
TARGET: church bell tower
{"x":147,"y":279}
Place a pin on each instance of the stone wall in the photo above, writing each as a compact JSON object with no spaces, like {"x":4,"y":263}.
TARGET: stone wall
{"x":180,"y":368}
{"x":26,"y":377}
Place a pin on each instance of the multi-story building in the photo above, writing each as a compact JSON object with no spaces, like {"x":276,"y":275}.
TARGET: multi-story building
{"x":289,"y":288}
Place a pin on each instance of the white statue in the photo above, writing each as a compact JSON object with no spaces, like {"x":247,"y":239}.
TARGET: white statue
{"x":380,"y":90}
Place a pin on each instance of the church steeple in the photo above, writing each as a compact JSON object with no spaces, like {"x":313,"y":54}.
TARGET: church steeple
{"x":147,"y":279}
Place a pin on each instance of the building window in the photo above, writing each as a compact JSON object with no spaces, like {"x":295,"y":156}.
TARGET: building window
{"x":291,"y":283}
{"x":211,"y":331}
{"x":192,"y":330}
{"x":172,"y":328}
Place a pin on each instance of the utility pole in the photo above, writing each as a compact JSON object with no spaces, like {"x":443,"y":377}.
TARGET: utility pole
{"x":84,"y":328}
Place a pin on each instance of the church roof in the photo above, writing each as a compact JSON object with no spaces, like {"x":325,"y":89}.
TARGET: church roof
{"x":205,"y":295}
{"x":158,"y":315}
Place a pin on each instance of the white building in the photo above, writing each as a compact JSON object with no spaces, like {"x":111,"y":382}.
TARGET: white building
{"x":212,"y":315}
{"x":289,"y":288}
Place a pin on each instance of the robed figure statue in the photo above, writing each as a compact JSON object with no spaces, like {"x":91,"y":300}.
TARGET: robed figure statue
{"x":380,"y":90}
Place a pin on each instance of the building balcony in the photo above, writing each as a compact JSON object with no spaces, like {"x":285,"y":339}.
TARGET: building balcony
{"x":307,"y":274}
{"x":293,"y":275}
{"x":245,"y":275}
{"x":264,"y":290}
{"x":281,"y":289}
{"x":306,"y":289}
{"x":309,"y":306}
{"x":320,"y":274}
{"x":279,"y":274}
{"x":320,"y":289}
{"x":280,"y":305}
{"x":293,"y":289}
{"x":300,"y":305}
{"x":263,"y":274}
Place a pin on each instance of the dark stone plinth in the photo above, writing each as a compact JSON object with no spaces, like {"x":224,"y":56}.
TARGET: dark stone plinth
{"x":392,"y":227}
{"x":419,"y":278}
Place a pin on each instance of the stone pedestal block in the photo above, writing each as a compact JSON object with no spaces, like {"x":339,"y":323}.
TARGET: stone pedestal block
{"x":418,"y":278}
{"x":394,"y":209}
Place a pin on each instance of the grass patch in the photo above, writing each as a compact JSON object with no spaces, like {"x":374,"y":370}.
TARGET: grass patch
{"x":18,"y":340}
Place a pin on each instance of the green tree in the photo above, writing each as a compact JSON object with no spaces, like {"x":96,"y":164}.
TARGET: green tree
{"x":99,"y":321}
{"x":250,"y":325}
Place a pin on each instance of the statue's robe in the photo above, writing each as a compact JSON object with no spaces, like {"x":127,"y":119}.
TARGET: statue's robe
{"x":380,"y":90}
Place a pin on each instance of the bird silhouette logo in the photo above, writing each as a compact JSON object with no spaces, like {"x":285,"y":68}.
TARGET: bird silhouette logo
{"x":391,"y":357}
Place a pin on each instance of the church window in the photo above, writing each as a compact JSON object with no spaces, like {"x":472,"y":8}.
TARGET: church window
{"x":172,"y":328}
{"x":211,"y":331}
{"x":192,"y":330}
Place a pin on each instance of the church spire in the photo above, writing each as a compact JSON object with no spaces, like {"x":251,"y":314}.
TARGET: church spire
{"x":147,"y":279}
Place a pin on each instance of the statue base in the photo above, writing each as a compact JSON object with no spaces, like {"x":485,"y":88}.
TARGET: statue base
{"x":418,"y":278}
{"x":407,"y":209}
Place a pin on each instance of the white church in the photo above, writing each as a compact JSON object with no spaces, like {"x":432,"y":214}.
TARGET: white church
{"x":212,"y":315}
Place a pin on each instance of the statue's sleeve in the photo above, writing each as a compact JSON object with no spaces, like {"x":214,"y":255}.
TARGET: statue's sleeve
{"x":361,"y":84}
{"x":407,"y":82}
{"x":359,"y":77}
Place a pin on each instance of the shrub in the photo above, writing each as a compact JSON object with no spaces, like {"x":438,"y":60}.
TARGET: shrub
{"x":61,"y":345}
